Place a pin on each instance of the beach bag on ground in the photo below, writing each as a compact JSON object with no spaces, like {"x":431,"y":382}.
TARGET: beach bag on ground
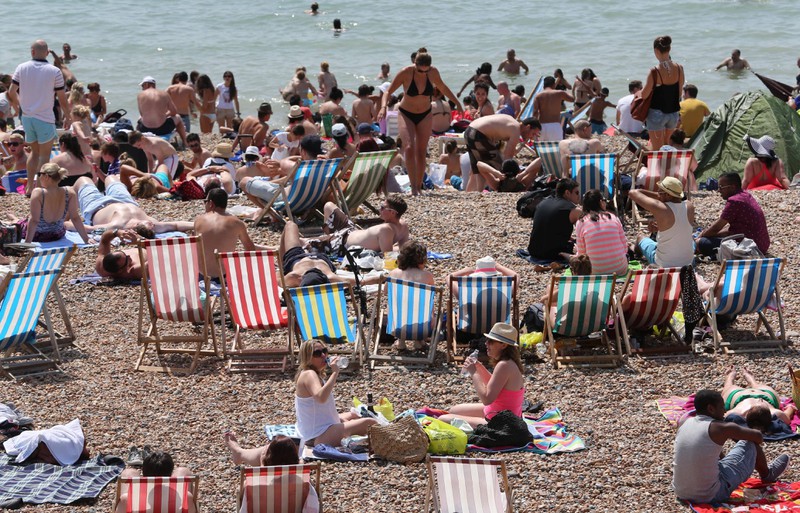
{"x":444,"y":438}
{"x":190,"y":190}
{"x":9,"y":234}
{"x":527,"y":203}
{"x":402,"y":441}
{"x":640,"y":105}
{"x":795,"y":377}
{"x":729,"y":249}
{"x":503,"y":430}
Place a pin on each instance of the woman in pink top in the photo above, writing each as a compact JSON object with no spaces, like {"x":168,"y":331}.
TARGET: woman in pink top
{"x":600,"y":236}
{"x":503,"y":389}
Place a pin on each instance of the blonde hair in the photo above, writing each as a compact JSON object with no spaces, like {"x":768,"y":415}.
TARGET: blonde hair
{"x":324,"y":66}
{"x":54,"y":171}
{"x":81,"y":111}
{"x":307,"y":358}
{"x":76,"y":94}
{"x":144,"y":187}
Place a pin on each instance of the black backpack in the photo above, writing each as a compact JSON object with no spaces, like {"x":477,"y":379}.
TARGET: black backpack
{"x":541,"y":189}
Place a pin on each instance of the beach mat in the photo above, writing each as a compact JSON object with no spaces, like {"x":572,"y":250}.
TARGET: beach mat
{"x":523,"y":254}
{"x":550,"y":436}
{"x":754,"y":496}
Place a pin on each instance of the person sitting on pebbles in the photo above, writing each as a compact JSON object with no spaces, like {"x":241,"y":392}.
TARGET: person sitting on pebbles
{"x":155,"y":464}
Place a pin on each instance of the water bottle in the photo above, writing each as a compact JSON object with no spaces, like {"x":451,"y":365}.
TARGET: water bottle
{"x":474,"y":355}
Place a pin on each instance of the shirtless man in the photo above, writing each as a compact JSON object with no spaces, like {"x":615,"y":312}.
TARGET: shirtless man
{"x":581,"y":143}
{"x":734,"y":62}
{"x":159,"y":153}
{"x":547,"y":109}
{"x":158,"y":113}
{"x":184,"y":98}
{"x":512,"y":65}
{"x":301,"y":268}
{"x":507,"y":98}
{"x":363,"y":109}
{"x":199,"y":154}
{"x":384,"y":237}
{"x":221,"y":231}
{"x":68,"y":55}
{"x":254,"y":166}
{"x":333,"y":105}
{"x":253,"y":130}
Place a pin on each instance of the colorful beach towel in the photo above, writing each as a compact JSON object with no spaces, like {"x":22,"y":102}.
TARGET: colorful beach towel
{"x":550,"y":436}
{"x":754,"y":496}
{"x":41,"y":482}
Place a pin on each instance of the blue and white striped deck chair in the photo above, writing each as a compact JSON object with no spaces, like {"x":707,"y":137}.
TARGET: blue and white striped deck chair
{"x":482,"y":301}
{"x":320,"y":312}
{"x":583,"y":307}
{"x":748,"y":286}
{"x":24,"y":295}
{"x":595,"y":171}
{"x":551,"y":157}
{"x":527,"y":109}
{"x":413,"y":312}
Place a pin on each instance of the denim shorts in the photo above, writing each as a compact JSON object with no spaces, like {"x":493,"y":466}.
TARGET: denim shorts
{"x":90,"y":200}
{"x":657,"y":120}
{"x":261,"y":187}
{"x":38,"y":131}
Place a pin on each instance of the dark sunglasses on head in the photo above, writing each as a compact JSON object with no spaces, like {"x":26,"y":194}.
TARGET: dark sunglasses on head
{"x":319,"y":352}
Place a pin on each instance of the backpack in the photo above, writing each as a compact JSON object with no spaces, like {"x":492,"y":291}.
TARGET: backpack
{"x":122,"y":124}
{"x":527,"y":203}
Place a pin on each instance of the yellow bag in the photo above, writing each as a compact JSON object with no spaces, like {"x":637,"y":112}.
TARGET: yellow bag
{"x":385,"y":407}
{"x":445,"y":439}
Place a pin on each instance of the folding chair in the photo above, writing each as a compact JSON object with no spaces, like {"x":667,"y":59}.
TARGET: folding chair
{"x":654,"y":297}
{"x":661,"y":164}
{"x":482,"y":301}
{"x":24,"y":295}
{"x":172,"y":292}
{"x":583,"y":307}
{"x":320,"y":312}
{"x":368,"y":172}
{"x":595,"y":171}
{"x":551,"y":157}
{"x":527,"y":110}
{"x":413,"y":312}
{"x":278,"y":489}
{"x":749,"y":286}
{"x":158,"y":494}
{"x":250,"y":293}
{"x":467,"y":485}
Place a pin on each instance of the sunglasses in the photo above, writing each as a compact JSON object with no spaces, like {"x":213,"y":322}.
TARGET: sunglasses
{"x":319,"y":352}
{"x":13,"y":144}
{"x":384,"y":207}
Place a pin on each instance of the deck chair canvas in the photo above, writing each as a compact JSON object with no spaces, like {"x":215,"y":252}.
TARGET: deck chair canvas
{"x":527,"y":109}
{"x":551,"y":158}
{"x":480,"y":302}
{"x":582,"y":308}
{"x":23,"y":302}
{"x":278,"y":489}
{"x":661,"y":164}
{"x":413,"y":312}
{"x":171,"y":292}
{"x":320,"y":312}
{"x":748,"y":286}
{"x":250,"y":294}
{"x":467,"y":485}
{"x":595,"y":171}
{"x":368,"y":172}
{"x":158,"y":494}
{"x":654,"y":297}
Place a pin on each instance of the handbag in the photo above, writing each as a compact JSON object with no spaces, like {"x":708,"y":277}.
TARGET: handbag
{"x":640,"y":105}
{"x":402,"y":441}
{"x":190,"y":190}
{"x":729,"y":249}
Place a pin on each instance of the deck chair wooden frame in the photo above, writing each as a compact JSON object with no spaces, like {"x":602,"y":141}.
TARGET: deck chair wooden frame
{"x":422,"y":322}
{"x":582,"y":319}
{"x":753,"y":287}
{"x":368,"y":171}
{"x":475,"y":286}
{"x":24,"y":297}
{"x":527,"y":110}
{"x":601,"y":174}
{"x":655,"y":294}
{"x":467,"y":485}
{"x":550,"y":154}
{"x":581,"y":113}
{"x":661,"y":164}
{"x":170,"y":291}
{"x":317,"y":175}
{"x":164,"y":490}
{"x":251,"y":297}
{"x":251,"y":480}
{"x":329,"y":318}
{"x":628,"y":166}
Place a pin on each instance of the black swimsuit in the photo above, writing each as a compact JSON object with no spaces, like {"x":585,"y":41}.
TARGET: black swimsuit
{"x":417,"y":117}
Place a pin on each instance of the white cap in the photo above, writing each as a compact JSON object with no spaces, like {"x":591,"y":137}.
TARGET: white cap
{"x":148,"y":80}
{"x":252,"y":150}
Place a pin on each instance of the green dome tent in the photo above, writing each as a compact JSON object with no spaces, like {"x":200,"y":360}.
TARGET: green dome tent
{"x":719,"y":143}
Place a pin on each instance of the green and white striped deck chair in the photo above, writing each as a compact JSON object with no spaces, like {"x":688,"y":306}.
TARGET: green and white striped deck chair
{"x":748,"y":286}
{"x":551,"y":158}
{"x":369,"y":171}
{"x":24,"y":295}
{"x":583,"y":307}
{"x":320,"y":312}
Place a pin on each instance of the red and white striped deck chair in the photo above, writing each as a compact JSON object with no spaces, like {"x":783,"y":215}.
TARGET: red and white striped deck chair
{"x":171,"y":289}
{"x":653,"y":298}
{"x":279,"y":489}
{"x":250,"y":293}
{"x":158,"y":494}
{"x":661,"y":164}
{"x":467,"y":485}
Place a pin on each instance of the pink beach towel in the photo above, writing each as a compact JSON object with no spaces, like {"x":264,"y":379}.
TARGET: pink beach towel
{"x":754,"y":496}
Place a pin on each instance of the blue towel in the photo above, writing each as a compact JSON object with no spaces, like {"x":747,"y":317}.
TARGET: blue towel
{"x":523,"y":254}
{"x":439,"y":256}
{"x":326,"y":452}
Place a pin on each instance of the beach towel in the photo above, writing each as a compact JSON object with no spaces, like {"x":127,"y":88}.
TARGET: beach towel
{"x":66,"y":241}
{"x":41,"y":482}
{"x":96,"y":279}
{"x":550,"y":436}
{"x":290,"y":430}
{"x":65,"y":443}
{"x":754,"y":496}
{"x":523,"y":254}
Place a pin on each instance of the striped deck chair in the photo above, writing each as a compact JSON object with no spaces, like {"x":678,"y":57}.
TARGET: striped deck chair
{"x":467,"y":485}
{"x":551,"y":158}
{"x":320,"y":312}
{"x":481,"y":302}
{"x":278,"y":489}
{"x":748,"y":286}
{"x":369,"y":171}
{"x":250,"y":294}
{"x":654,"y":297}
{"x":413,"y":312}
{"x":24,"y":295}
{"x":583,"y":306}
{"x":595,"y":171}
{"x":527,"y":109}
{"x":661,"y":164}
{"x":158,"y":494}
{"x":172,"y":293}
{"x":308,"y":182}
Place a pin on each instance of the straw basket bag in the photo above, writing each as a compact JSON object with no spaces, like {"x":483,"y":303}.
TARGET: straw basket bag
{"x":794,"y":375}
{"x":402,"y":441}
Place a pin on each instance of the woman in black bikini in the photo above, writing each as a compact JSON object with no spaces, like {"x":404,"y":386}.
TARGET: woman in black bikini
{"x":416,"y":120}
{"x":97,"y":101}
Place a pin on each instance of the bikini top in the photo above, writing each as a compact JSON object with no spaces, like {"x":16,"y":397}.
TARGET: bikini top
{"x":47,"y":229}
{"x":413,"y":91}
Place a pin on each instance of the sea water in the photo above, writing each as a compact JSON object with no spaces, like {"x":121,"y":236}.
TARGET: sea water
{"x":262,"y":42}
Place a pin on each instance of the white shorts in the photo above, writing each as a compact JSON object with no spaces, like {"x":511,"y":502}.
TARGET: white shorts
{"x":551,"y":132}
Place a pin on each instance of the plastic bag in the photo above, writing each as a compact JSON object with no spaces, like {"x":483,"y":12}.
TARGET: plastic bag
{"x":444,"y":438}
{"x":385,"y":408}
{"x":528,"y":340}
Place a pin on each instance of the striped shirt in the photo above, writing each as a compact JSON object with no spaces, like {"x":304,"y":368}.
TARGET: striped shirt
{"x":604,"y":242}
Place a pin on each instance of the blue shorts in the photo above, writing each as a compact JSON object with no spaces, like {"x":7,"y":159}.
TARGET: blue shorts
{"x":261,"y":187}
{"x":648,"y":247}
{"x":187,"y":122}
{"x":90,"y":200}
{"x":657,"y":120}
{"x":598,"y":128}
{"x":38,"y":131}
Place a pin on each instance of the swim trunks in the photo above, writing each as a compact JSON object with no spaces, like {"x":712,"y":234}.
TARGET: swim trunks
{"x":482,"y":149}
{"x":165,"y":129}
{"x":296,"y":254}
{"x":551,"y":132}
{"x":765,"y":394}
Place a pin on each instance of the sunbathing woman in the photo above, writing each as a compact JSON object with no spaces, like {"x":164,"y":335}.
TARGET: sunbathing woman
{"x":503,"y":389}
{"x":764,"y":172}
{"x":72,"y":159}
{"x":738,"y":401}
{"x":416,"y":120}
